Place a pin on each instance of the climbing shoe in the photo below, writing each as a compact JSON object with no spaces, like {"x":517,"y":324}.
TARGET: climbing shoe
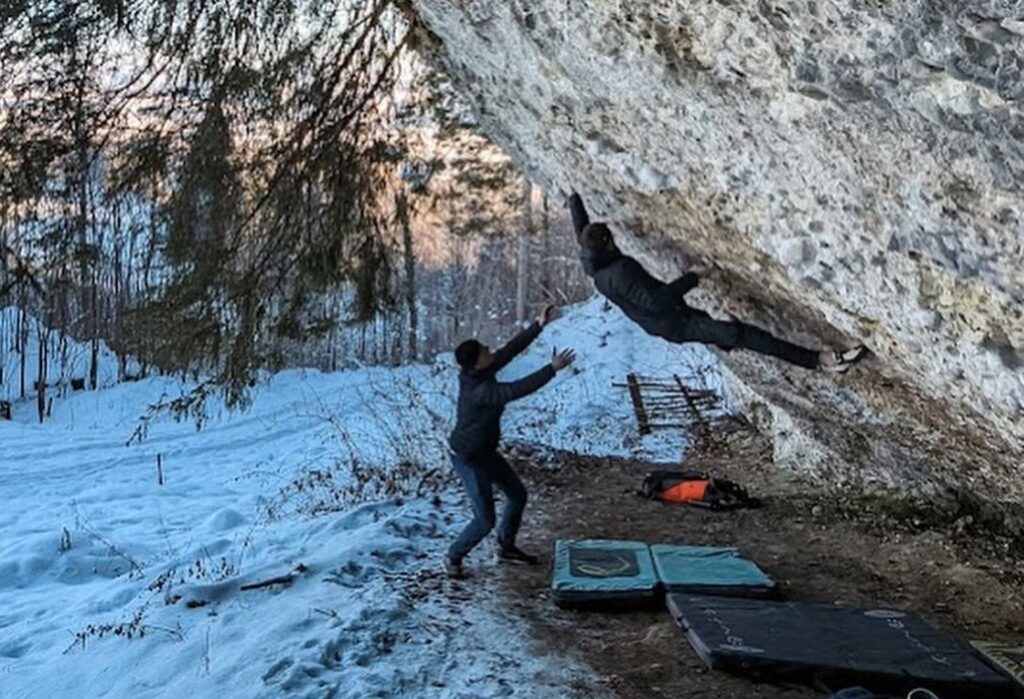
{"x":453,"y":568}
{"x":841,"y":361}
{"x":512,"y":554}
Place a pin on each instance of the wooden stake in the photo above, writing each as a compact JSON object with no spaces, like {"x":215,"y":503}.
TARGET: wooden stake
{"x":638,"y":404}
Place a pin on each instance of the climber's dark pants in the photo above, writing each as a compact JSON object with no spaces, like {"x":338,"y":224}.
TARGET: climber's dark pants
{"x":692,"y":325}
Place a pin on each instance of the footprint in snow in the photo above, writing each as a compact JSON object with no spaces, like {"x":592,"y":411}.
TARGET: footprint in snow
{"x":272,"y":675}
{"x":14,"y":649}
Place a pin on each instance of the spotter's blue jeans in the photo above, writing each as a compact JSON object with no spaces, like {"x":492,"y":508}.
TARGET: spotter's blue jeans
{"x":479,"y":476}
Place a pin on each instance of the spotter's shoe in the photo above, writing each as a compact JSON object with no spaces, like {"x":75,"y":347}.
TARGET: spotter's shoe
{"x":516,"y":556}
{"x":454,"y":569}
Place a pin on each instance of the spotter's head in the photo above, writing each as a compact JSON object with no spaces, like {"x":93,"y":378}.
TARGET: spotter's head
{"x":472,"y":354}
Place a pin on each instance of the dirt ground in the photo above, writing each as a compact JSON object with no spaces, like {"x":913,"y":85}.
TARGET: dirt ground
{"x":820,"y":548}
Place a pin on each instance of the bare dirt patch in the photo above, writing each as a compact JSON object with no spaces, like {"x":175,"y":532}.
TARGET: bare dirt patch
{"x":820,"y":547}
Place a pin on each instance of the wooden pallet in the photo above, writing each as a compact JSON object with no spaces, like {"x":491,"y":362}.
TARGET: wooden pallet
{"x":682,"y":403}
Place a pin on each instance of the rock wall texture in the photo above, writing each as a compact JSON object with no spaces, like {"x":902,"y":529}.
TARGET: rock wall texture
{"x":855,"y":170}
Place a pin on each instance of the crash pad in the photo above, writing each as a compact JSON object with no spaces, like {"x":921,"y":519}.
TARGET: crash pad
{"x":883,"y":650}
{"x":709,"y":570}
{"x":599,"y":573}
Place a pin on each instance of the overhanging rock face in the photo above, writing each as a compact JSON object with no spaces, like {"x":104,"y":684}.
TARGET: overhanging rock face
{"x":855,"y":169}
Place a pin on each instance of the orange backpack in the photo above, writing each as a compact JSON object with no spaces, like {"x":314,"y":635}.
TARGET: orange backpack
{"x":696,"y":488}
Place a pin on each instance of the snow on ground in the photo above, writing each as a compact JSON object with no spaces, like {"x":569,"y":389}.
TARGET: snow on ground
{"x":116,"y":586}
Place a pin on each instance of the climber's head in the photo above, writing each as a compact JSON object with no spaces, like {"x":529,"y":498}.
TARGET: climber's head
{"x":597,"y":238}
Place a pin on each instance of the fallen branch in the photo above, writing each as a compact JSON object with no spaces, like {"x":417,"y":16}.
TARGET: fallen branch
{"x":284,"y":580}
{"x":279,"y":580}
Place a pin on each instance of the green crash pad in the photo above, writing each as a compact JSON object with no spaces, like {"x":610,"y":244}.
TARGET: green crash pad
{"x":603,"y":574}
{"x":709,"y":570}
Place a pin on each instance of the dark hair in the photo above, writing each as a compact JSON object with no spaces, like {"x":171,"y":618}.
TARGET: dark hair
{"x":467,"y":353}
{"x":595,"y":236}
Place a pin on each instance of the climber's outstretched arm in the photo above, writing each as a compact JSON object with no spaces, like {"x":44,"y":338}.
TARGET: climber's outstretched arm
{"x":671,"y":293}
{"x":515,"y":346}
{"x":578,"y":213}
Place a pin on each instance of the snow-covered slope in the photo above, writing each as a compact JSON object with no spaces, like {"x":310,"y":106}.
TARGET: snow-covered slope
{"x":94,"y":549}
{"x":67,"y":359}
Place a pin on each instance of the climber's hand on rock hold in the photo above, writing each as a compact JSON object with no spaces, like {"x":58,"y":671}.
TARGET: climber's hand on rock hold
{"x":702,"y":269}
{"x":547,"y":315}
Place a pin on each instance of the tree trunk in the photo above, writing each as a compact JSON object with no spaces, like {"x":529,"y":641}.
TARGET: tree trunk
{"x":95,"y":322}
{"x":43,"y":337}
{"x":523,"y":254}
{"x":117,"y":331}
{"x":85,"y":325}
{"x":6,"y":346}
{"x":402,"y":213}
{"x":22,"y":341}
{"x":94,"y":363}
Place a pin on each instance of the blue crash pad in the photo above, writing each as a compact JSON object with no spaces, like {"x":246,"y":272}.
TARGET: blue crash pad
{"x":709,"y":570}
{"x":601,"y":573}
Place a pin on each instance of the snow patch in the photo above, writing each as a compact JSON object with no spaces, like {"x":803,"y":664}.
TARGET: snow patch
{"x":224,"y":520}
{"x":320,"y":499}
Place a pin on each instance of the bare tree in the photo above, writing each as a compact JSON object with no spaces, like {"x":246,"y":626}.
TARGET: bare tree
{"x":523,"y":253}
{"x":409,"y":255}
{"x":43,"y":335}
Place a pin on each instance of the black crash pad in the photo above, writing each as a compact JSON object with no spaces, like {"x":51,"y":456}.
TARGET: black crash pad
{"x":882,"y":649}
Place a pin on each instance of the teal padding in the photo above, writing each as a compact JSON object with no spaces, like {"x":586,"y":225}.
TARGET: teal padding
{"x":706,"y":567}
{"x":635,"y":558}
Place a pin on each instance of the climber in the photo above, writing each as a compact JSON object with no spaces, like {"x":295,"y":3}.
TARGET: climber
{"x":474,"y":441}
{"x":660,"y":310}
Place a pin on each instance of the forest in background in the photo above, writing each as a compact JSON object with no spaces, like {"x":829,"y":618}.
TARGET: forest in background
{"x":220,"y":188}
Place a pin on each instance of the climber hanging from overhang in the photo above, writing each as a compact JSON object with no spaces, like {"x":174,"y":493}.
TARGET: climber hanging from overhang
{"x":660,"y":310}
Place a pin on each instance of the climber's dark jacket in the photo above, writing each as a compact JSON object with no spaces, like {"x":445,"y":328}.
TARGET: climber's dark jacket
{"x":622,"y":280}
{"x":659,"y":308}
